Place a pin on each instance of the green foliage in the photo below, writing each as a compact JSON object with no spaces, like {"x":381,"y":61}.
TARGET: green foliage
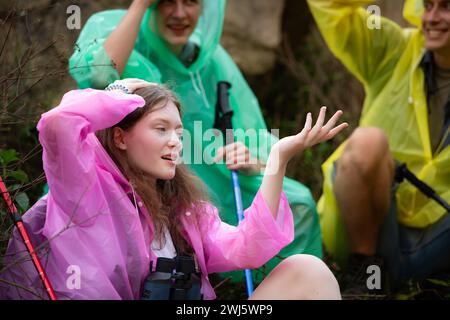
{"x":7,"y":159}
{"x":14,"y":180}
{"x":8,"y":156}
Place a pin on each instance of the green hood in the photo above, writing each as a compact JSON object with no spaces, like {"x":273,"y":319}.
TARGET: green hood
{"x":206,"y":35}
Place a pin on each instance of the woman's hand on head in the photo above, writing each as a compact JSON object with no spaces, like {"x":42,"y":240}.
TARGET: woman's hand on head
{"x":132,"y":84}
{"x":309,"y":136}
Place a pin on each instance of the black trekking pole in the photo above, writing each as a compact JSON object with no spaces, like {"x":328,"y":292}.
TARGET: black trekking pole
{"x":26,"y":240}
{"x":404,"y":173}
{"x":223,"y":123}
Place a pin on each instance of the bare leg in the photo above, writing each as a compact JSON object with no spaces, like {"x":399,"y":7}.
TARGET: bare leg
{"x":299,"y":277}
{"x":364,"y":177}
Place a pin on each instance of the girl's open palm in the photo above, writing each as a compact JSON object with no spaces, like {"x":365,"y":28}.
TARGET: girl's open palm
{"x":309,"y":136}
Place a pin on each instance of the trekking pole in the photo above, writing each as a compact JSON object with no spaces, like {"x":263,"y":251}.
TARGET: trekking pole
{"x":11,"y":208}
{"x":223,"y":122}
{"x":404,"y":173}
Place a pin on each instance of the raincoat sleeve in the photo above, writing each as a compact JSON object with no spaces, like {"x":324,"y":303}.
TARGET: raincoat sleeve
{"x":350,"y":31}
{"x":90,"y":65}
{"x":66,"y":134}
{"x":258,"y":238}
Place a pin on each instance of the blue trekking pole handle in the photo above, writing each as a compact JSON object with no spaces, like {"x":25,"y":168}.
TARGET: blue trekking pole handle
{"x":223,"y":122}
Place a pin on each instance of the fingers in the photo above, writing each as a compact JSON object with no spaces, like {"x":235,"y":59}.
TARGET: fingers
{"x":308,"y":123}
{"x":320,"y":132}
{"x":317,"y":131}
{"x":307,"y":128}
{"x":320,"y":119}
{"x":133,"y":83}
{"x":237,"y":160}
{"x":336,"y":130}
{"x":219,"y":155}
{"x":332,"y":122}
{"x":132,"y":80}
{"x":330,"y":128}
{"x":234,"y":153}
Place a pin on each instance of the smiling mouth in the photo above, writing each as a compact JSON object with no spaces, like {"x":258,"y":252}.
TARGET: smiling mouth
{"x":436,"y":31}
{"x":178,"y":28}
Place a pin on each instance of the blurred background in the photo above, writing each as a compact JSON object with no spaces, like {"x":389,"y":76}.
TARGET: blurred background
{"x":275,"y":43}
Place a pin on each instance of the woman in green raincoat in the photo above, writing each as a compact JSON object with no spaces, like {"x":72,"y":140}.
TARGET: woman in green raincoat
{"x":177,"y":42}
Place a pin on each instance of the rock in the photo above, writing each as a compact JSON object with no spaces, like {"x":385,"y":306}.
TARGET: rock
{"x":393,"y":10}
{"x":252,"y":42}
{"x":23,"y":5}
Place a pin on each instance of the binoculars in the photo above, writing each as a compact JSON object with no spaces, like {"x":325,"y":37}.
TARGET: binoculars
{"x":173,"y":279}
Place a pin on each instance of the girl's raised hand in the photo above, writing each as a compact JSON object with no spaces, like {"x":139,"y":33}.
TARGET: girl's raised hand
{"x":309,"y":136}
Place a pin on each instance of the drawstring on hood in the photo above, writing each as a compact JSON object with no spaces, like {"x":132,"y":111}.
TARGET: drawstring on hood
{"x":197,"y":90}
{"x":200,"y":90}
{"x":134,"y":199}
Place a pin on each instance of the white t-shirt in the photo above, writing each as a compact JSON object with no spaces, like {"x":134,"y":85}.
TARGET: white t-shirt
{"x":168,"y":250}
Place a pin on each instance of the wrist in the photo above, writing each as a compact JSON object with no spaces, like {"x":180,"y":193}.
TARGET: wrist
{"x":256,"y":167}
{"x":138,"y":8}
{"x":140,"y":5}
{"x":275,"y":164}
{"x":276,"y":157}
{"x":253,"y":169}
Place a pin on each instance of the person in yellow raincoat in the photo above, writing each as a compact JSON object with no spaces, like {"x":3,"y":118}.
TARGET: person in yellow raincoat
{"x":366,"y":217}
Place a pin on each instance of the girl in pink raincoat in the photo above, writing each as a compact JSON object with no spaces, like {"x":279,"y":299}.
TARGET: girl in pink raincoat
{"x":119,"y":199}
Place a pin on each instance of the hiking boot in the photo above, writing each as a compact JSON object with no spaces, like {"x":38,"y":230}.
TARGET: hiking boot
{"x":363,"y":278}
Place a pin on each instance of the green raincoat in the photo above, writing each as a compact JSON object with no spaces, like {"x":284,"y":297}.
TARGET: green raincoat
{"x":387,"y":62}
{"x":196,"y":85}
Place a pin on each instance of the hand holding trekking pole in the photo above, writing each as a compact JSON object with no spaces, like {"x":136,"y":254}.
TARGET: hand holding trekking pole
{"x":287,"y":147}
{"x":237,"y":157}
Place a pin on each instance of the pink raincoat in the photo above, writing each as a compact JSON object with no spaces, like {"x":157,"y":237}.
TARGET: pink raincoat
{"x":93,"y":230}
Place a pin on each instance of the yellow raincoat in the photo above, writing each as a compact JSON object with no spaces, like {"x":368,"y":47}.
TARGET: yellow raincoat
{"x":387,"y":62}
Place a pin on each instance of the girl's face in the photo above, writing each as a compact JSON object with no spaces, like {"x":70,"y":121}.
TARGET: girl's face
{"x":176,"y":20}
{"x":153,"y":144}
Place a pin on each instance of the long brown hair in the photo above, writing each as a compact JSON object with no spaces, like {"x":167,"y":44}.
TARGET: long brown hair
{"x":171,"y":198}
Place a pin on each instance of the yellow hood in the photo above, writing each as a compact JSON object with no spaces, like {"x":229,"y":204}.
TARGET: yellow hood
{"x":413,"y":11}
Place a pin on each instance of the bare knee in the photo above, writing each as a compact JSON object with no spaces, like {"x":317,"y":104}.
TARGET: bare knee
{"x":367,"y":149}
{"x":312,"y":277}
